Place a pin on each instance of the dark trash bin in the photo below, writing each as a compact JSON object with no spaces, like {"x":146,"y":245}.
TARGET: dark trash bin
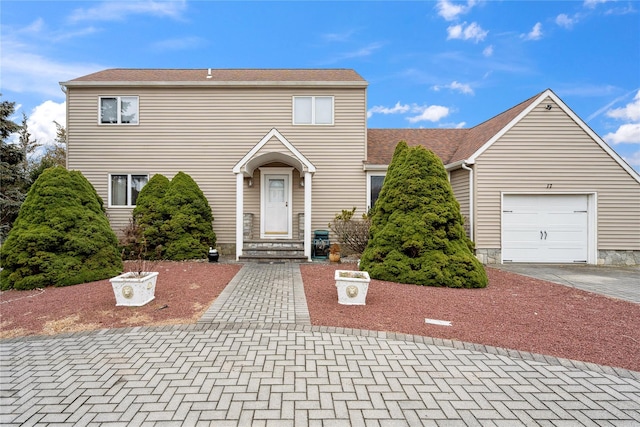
{"x":320,"y":247}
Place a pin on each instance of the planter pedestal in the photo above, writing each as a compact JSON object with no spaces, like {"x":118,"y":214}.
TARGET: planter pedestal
{"x":133,"y":290}
{"x":352,"y":286}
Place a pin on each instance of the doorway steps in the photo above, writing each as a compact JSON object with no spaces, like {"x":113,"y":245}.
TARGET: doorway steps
{"x":271,"y":250}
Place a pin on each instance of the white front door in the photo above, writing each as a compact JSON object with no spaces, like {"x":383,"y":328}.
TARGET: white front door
{"x":276,"y":204}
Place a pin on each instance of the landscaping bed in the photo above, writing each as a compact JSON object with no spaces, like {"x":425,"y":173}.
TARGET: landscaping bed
{"x":514,"y":311}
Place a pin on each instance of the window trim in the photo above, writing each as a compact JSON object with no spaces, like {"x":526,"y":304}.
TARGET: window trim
{"x":118,"y":110}
{"x":110,"y":187}
{"x":369,"y":176}
{"x":313,"y":110}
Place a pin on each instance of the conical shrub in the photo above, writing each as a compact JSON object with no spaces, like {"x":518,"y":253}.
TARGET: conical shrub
{"x":61,"y":235}
{"x":148,"y":218}
{"x":188,"y":226}
{"x":417,"y":234}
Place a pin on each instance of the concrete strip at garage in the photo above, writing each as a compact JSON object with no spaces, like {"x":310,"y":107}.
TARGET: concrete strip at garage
{"x":621,"y":282}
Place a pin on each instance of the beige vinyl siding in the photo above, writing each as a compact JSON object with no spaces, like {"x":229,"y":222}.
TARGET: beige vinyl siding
{"x":206,"y":131}
{"x":547,"y":148}
{"x":460,"y":185}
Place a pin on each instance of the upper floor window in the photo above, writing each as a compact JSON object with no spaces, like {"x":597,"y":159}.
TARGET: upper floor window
{"x":124,"y":188}
{"x":313,"y":110}
{"x":119,"y":110}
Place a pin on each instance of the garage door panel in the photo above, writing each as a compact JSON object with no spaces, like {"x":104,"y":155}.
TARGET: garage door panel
{"x":544,"y":228}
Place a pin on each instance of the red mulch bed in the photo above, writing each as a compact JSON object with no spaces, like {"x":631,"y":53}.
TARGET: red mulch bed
{"x":184,"y":291}
{"x":514,"y":311}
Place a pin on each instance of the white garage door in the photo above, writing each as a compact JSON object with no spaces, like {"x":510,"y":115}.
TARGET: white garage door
{"x":545,"y":228}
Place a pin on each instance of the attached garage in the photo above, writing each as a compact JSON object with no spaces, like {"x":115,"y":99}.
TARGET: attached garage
{"x":558,"y":228}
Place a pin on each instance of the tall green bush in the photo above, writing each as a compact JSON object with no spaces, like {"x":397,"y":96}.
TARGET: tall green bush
{"x":148,"y":218}
{"x":61,"y":235}
{"x":188,"y":220}
{"x":417,"y":234}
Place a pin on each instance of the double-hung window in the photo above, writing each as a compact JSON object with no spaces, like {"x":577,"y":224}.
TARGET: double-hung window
{"x":124,"y":189}
{"x":313,"y":110}
{"x":120,"y":110}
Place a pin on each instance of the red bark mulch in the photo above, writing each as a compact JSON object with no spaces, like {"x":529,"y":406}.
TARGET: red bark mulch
{"x":514,"y":311}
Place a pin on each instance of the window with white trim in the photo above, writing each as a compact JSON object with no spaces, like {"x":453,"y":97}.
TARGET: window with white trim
{"x":374,"y":186}
{"x":124,"y":189}
{"x":118,"y":110}
{"x":313,"y":110}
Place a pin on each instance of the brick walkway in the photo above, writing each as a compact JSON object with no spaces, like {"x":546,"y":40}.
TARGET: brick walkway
{"x":254,"y":360}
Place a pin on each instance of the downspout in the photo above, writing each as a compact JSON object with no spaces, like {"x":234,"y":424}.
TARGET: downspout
{"x":471,"y":201}
{"x":65,"y":90}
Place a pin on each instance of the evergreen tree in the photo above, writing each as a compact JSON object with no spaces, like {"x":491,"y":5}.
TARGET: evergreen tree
{"x":148,"y":217}
{"x":13,"y":182}
{"x":61,"y":236}
{"x":188,"y":227}
{"x":417,"y":234}
{"x":26,"y":144}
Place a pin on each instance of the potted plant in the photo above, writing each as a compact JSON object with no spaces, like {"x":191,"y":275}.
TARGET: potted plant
{"x":334,"y":252}
{"x":136,"y":287}
{"x":352,"y":286}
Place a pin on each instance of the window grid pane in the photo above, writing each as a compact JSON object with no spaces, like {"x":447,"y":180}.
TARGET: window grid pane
{"x":137,"y":182}
{"x":302,"y":110}
{"x":324,"y":110}
{"x":108,"y":110}
{"x":129,"y":109}
{"x":119,"y":190}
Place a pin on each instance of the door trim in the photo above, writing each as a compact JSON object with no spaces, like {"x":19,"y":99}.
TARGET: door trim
{"x":264,"y":173}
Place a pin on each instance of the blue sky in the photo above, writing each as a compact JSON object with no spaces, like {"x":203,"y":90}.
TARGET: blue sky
{"x":428,"y":63}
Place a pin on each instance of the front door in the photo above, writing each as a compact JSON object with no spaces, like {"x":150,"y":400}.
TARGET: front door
{"x":276,"y":205}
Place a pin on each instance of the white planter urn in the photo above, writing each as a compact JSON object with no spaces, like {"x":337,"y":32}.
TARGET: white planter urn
{"x":134,"y":289}
{"x":352,"y":286}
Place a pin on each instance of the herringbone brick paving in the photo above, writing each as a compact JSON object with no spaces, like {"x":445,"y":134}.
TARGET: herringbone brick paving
{"x":246,"y":366}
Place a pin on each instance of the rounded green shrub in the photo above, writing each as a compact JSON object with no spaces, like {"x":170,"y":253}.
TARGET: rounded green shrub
{"x":61,"y":235}
{"x":148,"y":218}
{"x":417,"y":234}
{"x":188,"y":220}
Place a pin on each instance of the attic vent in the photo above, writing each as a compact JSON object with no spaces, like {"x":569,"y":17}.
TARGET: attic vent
{"x":548,"y":107}
{"x":209,"y":73}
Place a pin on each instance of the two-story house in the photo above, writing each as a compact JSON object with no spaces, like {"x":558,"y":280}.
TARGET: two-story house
{"x":279,"y":152}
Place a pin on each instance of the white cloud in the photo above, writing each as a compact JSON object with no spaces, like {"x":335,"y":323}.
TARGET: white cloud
{"x":535,"y":33}
{"x":631,"y":111}
{"x":23,"y":71}
{"x":450,"y":11}
{"x":456,"y":86}
{"x":118,"y":10}
{"x":626,"y":134}
{"x":463,"y":31}
{"x":396,"y":109}
{"x":488,"y":51}
{"x":593,"y":3}
{"x":40,"y":121}
{"x":431,"y":113}
{"x":565,"y":20}
{"x":633,"y":159}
